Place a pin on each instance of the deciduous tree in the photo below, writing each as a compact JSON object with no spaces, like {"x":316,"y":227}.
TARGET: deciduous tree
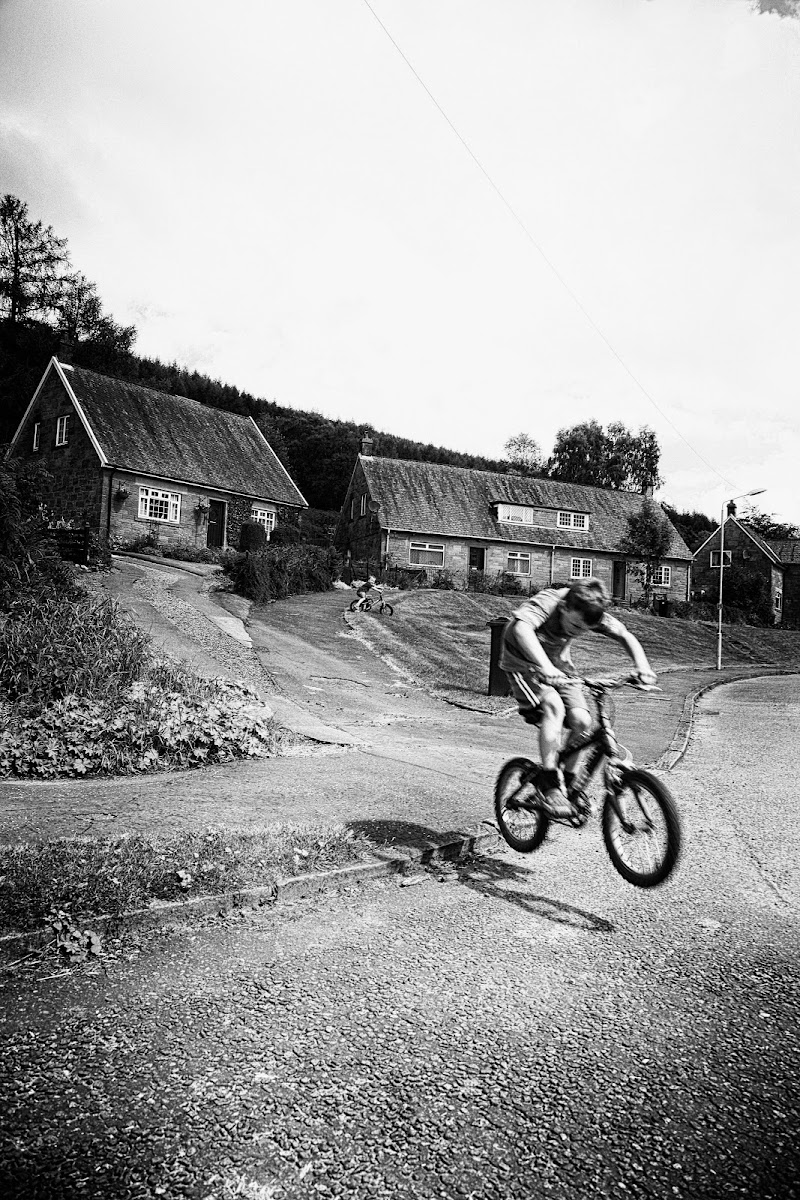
{"x":647,"y":542}
{"x":524,"y":454}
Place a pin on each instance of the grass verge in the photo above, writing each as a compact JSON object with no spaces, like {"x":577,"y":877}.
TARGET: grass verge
{"x":91,"y":877}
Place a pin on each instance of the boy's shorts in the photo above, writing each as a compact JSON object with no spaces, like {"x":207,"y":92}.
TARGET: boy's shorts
{"x":527,"y":689}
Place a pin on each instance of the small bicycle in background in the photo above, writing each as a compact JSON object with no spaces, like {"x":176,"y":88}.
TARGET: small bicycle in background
{"x":640,"y":823}
{"x":369,"y":602}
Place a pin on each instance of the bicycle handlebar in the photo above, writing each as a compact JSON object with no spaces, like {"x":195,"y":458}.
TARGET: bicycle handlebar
{"x":607,"y":685}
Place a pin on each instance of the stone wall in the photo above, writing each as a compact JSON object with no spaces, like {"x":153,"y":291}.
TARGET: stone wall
{"x":75,"y":493}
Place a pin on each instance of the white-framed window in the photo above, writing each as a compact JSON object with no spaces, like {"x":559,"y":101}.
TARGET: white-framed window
{"x":778,"y":601}
{"x":62,"y":427}
{"x":520,"y":514}
{"x":363,"y":505}
{"x":352,"y":507}
{"x":518,"y":563}
{"x":580,"y":568}
{"x":714,"y":560}
{"x":37,"y":434}
{"x":155,"y":505}
{"x":265,"y":517}
{"x":572,"y":520}
{"x":662,"y":576}
{"x":427,"y":554}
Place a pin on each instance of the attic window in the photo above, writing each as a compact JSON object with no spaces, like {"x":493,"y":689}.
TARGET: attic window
{"x":159,"y":506}
{"x":62,"y":425}
{"x":520,"y":514}
{"x":37,"y":431}
{"x":572,"y":520}
{"x":714,"y":559}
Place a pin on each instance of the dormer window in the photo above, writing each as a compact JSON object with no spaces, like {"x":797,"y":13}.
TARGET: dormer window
{"x":572,"y":520}
{"x":519,"y":514}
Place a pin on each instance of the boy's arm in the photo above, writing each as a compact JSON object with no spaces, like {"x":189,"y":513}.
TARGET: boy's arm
{"x":614,"y":629}
{"x":527,"y":641}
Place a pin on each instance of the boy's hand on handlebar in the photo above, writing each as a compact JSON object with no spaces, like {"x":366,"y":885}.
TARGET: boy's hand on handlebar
{"x":644,"y":679}
{"x":553,"y":677}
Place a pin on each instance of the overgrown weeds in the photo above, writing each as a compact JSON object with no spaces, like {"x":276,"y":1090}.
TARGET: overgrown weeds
{"x":56,"y":645}
{"x":89,"y":877}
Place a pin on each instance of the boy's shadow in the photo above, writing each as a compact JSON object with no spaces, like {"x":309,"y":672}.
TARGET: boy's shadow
{"x":487,"y":875}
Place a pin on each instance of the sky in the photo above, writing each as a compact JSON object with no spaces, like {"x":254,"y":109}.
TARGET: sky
{"x":455,"y":220}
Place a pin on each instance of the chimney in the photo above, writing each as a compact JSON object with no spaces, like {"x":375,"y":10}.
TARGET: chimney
{"x":366,"y":445}
{"x":731,"y":509}
{"x":65,"y":348}
{"x":647,"y":491}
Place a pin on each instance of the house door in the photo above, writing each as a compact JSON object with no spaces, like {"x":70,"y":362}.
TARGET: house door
{"x":477,"y":558}
{"x":216,"y":523}
{"x":618,"y":581}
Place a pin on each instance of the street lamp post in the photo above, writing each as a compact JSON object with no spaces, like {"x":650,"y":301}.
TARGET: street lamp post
{"x":743,"y":496}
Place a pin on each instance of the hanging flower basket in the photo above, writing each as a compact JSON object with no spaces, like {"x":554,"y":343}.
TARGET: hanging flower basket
{"x":202,"y":506}
{"x":122,"y":492}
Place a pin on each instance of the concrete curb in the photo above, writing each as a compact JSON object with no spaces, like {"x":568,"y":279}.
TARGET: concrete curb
{"x":292,"y":888}
{"x":171,"y":564}
{"x":683,"y":731}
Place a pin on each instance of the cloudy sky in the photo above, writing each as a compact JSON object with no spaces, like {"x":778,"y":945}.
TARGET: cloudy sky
{"x":455,"y":219}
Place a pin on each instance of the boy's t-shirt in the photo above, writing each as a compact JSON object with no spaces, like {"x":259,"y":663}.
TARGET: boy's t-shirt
{"x":543,"y":614}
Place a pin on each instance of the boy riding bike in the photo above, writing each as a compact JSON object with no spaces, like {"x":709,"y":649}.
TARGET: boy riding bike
{"x":535,"y":656}
{"x":362,"y":591}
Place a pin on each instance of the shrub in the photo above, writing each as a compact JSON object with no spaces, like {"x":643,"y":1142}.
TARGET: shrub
{"x":279,"y":571}
{"x":29,"y":559}
{"x":252,"y":536}
{"x":188,"y":552}
{"x":285,"y":535}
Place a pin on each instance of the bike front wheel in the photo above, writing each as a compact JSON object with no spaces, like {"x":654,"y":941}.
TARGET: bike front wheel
{"x":387,"y":608}
{"x":523,"y":827}
{"x":642,"y":830}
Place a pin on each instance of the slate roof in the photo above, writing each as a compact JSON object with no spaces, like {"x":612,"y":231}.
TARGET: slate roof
{"x":152,"y":433}
{"x":427,"y":498}
{"x":787,"y":551}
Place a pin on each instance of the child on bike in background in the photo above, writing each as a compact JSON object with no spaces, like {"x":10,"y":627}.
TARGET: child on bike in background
{"x":362,"y":591}
{"x":535,"y":656}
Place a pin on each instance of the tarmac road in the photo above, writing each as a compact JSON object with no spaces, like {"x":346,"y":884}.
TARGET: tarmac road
{"x":519,"y":1027}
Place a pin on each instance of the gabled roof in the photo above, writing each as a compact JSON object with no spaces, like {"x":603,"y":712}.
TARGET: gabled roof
{"x":787,"y":551}
{"x":137,"y":429}
{"x":420,"y":497}
{"x":756,"y":538}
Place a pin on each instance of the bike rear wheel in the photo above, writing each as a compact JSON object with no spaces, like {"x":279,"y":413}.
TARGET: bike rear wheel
{"x":642,"y":830}
{"x":353,"y":605}
{"x":522,"y":827}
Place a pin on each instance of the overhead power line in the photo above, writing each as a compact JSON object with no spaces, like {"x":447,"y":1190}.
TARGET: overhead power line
{"x":519,"y":221}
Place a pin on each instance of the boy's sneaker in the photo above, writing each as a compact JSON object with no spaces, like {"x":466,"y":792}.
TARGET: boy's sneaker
{"x":554,"y":799}
{"x":557,"y":805}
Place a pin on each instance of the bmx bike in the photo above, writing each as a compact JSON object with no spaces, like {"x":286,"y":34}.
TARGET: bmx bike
{"x":380,"y":605}
{"x":639,"y":820}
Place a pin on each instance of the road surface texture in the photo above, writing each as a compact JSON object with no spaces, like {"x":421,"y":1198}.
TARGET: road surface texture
{"x":512,"y":1027}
